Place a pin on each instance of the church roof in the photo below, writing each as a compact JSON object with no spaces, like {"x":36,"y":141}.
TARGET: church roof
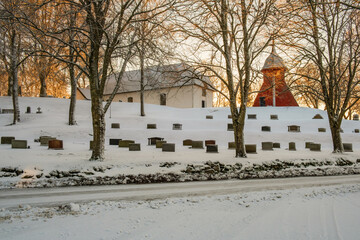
{"x":273,"y":61}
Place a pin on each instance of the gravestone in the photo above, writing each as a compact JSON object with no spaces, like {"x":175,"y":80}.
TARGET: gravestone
{"x":187,"y":142}
{"x":151,"y":126}
{"x":209,"y":117}
{"x":212,"y":148}
{"x":229,"y":117}
{"x":356,"y":130}
{"x":177,"y":126}
{"x":20,"y":144}
{"x":207,"y":142}
{"x":251,"y":116}
{"x":152,"y":140}
{"x":159,"y":143}
{"x":8,"y":111}
{"x":274,"y":117}
{"x":315,"y":147}
{"x":308,"y":144}
{"x":230,"y":127}
{"x":197,"y":144}
{"x":44,"y":140}
{"x":250,"y":148}
{"x":125,"y":143}
{"x":0,"y":110}
{"x":231,"y":145}
{"x":321,"y":129}
{"x":267,"y":146}
{"x":347,"y":147}
{"x":168,"y":147}
{"x":39,"y":110}
{"x":114,"y":141}
{"x":317,"y":116}
{"x":7,"y":140}
{"x":292,"y":146}
{"x":28,"y":110}
{"x":356,"y":117}
{"x":134,"y":147}
{"x":293,"y":128}
{"x":115,"y":125}
{"x":56,"y":144}
{"x":266,"y":129}
{"x":276,"y":145}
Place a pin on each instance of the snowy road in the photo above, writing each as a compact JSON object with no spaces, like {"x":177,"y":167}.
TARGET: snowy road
{"x":54,"y":196}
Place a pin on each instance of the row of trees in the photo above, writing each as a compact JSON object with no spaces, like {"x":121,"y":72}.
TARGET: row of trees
{"x":223,"y":39}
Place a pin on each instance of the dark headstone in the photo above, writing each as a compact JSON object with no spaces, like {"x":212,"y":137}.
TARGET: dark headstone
{"x":292,"y":146}
{"x":229,"y":117}
{"x":151,"y":126}
{"x":21,"y":144}
{"x":159,"y":143}
{"x":114,"y":141}
{"x":44,"y":140}
{"x":274,"y":117}
{"x":231,"y":145}
{"x":28,"y":110}
{"x":168,"y":147}
{"x":134,"y":147}
{"x":56,"y":144}
{"x":347,"y":147}
{"x":208,"y":142}
{"x":177,"y":126}
{"x":152,"y":140}
{"x":293,"y":128}
{"x":7,"y":140}
{"x":230,"y":127}
{"x":209,"y":117}
{"x":250,"y":148}
{"x":308,"y":144}
{"x":197,"y":144}
{"x":266,"y":129}
{"x":356,"y":130}
{"x":267,"y":146}
{"x":0,"y":111}
{"x":8,"y":111}
{"x":315,"y":147}
{"x":39,"y":110}
{"x":212,"y":148}
{"x":276,"y":145}
{"x":125,"y":143}
{"x":317,"y":116}
{"x":251,"y":116}
{"x":187,"y":142}
{"x":321,"y":129}
{"x":356,"y":117}
{"x":115,"y":125}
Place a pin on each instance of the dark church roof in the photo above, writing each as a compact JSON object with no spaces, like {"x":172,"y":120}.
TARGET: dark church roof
{"x":273,"y":61}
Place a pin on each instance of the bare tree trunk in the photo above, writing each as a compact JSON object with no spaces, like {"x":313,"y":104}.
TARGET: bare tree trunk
{"x":72,"y":96}
{"x":10,"y":85}
{"x":42,"y":78}
{"x":142,"y":108}
{"x":336,"y":134}
{"x":14,"y":76}
{"x":98,"y":121}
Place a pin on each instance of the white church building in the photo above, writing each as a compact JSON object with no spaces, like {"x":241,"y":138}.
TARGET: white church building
{"x":176,"y":85}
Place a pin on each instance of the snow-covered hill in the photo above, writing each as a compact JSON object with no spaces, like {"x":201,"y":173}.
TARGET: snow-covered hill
{"x":195,"y":126}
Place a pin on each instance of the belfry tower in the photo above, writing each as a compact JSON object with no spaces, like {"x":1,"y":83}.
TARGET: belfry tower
{"x":274,"y":91}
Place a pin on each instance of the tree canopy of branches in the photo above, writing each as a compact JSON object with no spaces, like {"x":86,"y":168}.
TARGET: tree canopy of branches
{"x":326,"y":38}
{"x":226,"y":38}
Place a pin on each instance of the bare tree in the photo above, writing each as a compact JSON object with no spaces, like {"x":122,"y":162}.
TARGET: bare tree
{"x":329,"y":39}
{"x":227,"y":38}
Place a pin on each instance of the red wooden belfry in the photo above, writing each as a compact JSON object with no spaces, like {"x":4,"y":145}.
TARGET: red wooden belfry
{"x":274,"y":91}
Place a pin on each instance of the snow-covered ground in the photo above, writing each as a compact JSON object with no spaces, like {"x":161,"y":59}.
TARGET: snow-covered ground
{"x":40,"y":161}
{"x":330,"y":212}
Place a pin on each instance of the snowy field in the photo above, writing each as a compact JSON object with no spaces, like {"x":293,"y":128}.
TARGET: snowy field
{"x":317,"y":213}
{"x":38,"y":160}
